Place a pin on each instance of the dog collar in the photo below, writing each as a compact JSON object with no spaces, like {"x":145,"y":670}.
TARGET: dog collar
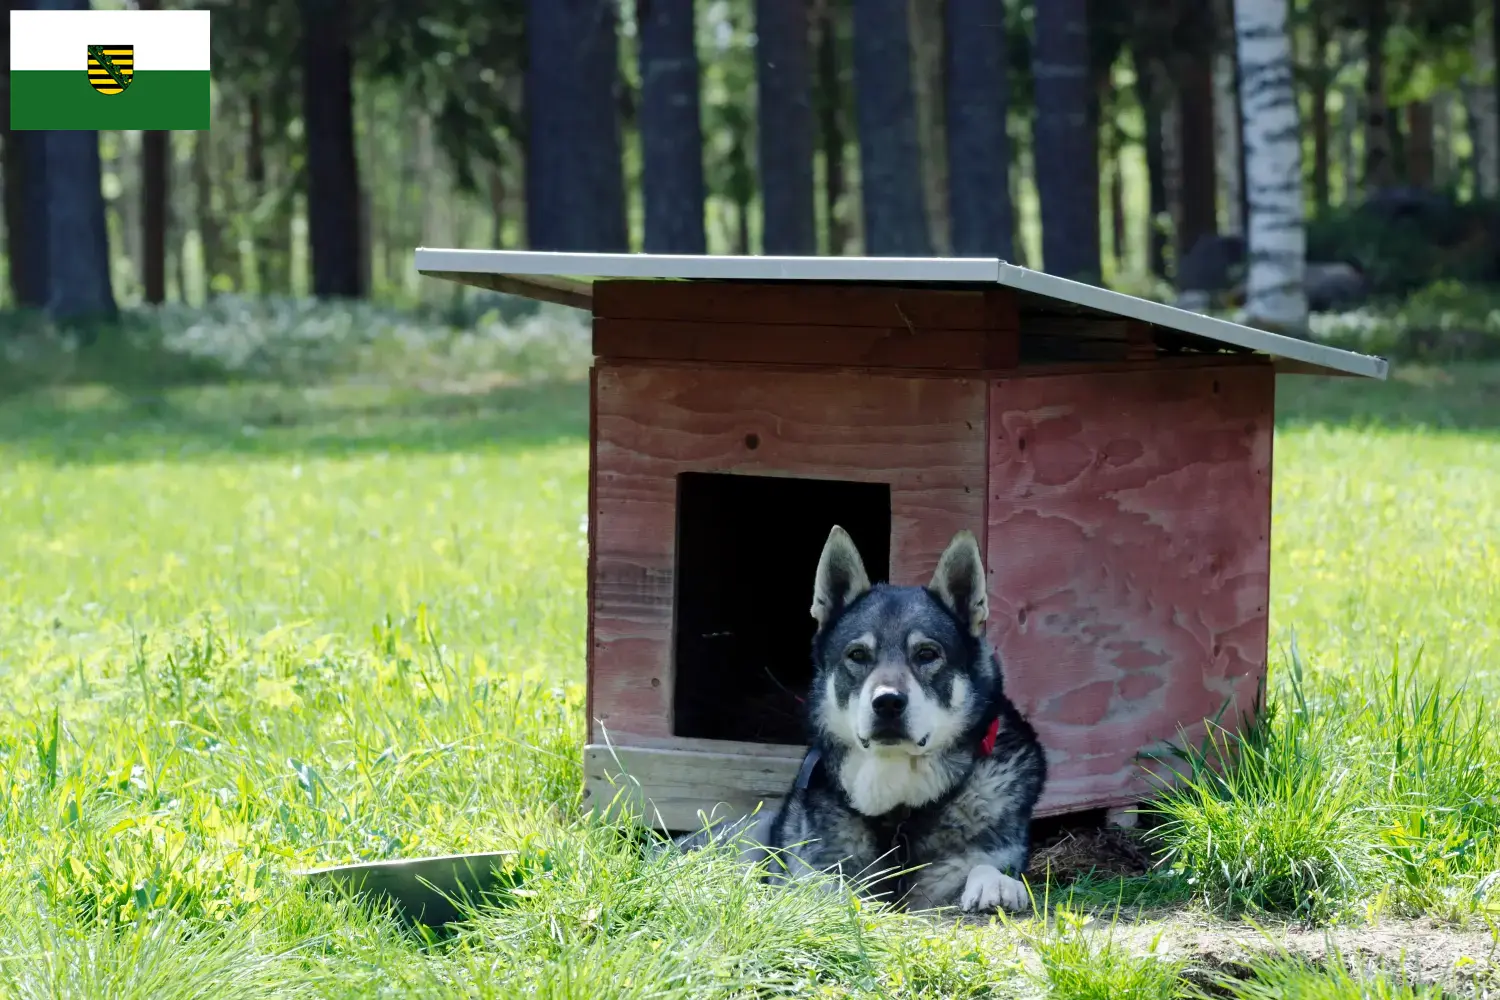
{"x":809,"y":764}
{"x":987,"y":745}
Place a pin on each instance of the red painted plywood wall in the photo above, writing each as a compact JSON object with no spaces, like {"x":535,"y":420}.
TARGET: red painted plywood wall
{"x":1129,"y":546}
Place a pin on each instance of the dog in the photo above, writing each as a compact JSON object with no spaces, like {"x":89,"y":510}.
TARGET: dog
{"x":921,"y":770}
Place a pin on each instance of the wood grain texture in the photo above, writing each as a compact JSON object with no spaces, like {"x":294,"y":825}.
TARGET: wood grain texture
{"x":807,"y":304}
{"x":669,"y":788}
{"x":804,"y":344}
{"x":1129,"y":546}
{"x":925,"y":438}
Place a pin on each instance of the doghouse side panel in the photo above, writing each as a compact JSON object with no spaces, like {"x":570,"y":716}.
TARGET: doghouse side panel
{"x":1129,"y":549}
{"x":924,"y":437}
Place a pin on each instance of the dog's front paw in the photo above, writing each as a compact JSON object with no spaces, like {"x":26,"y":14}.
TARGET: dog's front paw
{"x":988,"y":888}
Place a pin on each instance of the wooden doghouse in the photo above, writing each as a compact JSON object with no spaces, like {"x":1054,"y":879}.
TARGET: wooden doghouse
{"x":1113,"y":456}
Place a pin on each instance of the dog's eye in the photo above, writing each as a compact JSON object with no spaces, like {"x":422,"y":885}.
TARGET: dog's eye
{"x":858,"y":654}
{"x":928,"y":654}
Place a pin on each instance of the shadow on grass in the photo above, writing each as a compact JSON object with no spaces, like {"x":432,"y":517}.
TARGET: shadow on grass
{"x":1462,"y":397}
{"x":87,"y":424}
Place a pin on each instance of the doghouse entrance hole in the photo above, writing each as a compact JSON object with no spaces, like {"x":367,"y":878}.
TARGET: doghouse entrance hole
{"x":747,"y":552}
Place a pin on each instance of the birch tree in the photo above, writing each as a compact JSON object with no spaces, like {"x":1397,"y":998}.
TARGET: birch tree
{"x":1275,"y":297}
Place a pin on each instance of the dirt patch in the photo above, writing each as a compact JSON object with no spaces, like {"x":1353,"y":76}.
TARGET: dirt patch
{"x":1423,"y":951}
{"x":1069,"y":855}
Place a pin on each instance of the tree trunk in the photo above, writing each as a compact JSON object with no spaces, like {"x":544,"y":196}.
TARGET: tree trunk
{"x":1349,"y":118}
{"x":1442,"y":140}
{"x":1195,"y":139}
{"x":1318,"y":85}
{"x":783,"y":63}
{"x":333,"y":227}
{"x":575,"y":185}
{"x":1067,"y":155}
{"x":26,"y":218}
{"x":1150,"y":93}
{"x":978,"y":145}
{"x":671,"y":133}
{"x":926,"y":22}
{"x":1380,"y":168}
{"x":1419,"y":151}
{"x":1229,"y":157}
{"x":210,"y":226}
{"x":156,"y":150}
{"x":79,"y":286}
{"x":1275,"y":295}
{"x":68,"y":171}
{"x":831,"y":124}
{"x":1492,"y":106}
{"x":889,"y":156}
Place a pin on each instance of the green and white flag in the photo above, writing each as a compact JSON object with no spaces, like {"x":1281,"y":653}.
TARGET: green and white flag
{"x":109,"y":69}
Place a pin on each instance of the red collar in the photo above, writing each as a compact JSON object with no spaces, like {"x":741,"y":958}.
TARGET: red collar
{"x":987,"y":745}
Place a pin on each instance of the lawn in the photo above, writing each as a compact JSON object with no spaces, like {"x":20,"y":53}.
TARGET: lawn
{"x":252,"y":623}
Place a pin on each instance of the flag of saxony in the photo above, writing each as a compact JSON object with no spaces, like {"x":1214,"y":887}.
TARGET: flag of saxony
{"x":109,"y":69}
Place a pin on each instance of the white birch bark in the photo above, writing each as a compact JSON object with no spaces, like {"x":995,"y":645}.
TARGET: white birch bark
{"x":1275,"y":296}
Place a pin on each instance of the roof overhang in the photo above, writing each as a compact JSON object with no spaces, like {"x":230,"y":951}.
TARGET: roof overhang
{"x":567,"y":279}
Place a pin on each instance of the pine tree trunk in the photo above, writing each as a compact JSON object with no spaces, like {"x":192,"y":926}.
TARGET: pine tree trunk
{"x":156,"y":151}
{"x":784,"y":85}
{"x":1149,"y":91}
{"x":889,"y":155}
{"x":26,"y":218}
{"x":671,"y":134}
{"x":1067,"y":152}
{"x":1195,"y":124}
{"x":575,"y":183}
{"x":925,"y":20}
{"x":1349,"y":119}
{"x":333,"y":226}
{"x":1482,"y":109}
{"x":1228,"y":157}
{"x":978,"y":145}
{"x":1318,"y":86}
{"x":1380,"y":167}
{"x":1419,"y":151}
{"x":1442,"y":140}
{"x":79,"y":285}
{"x":1275,"y":295}
{"x":831,"y":124}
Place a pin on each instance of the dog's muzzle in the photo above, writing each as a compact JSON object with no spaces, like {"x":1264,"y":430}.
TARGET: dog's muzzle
{"x":888,"y":713}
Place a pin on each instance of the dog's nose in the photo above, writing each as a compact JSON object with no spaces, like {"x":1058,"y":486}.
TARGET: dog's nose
{"x":889,"y":704}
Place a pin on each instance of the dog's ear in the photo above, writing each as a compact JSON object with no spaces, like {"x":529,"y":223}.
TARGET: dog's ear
{"x":959,"y":582}
{"x":841,"y":577}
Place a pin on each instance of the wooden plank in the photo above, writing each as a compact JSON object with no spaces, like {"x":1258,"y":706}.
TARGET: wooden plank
{"x":922,"y":437}
{"x":794,"y":344}
{"x":673,"y":788}
{"x":669,"y":788}
{"x":1163,"y":362}
{"x":806,"y":304}
{"x":1129,"y":527}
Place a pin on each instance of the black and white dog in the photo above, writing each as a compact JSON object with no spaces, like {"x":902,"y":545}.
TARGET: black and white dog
{"x":920,"y":770}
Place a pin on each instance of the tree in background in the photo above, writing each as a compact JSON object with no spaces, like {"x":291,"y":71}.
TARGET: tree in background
{"x":1067,"y":159}
{"x":890,"y":161}
{"x":333,"y":222}
{"x":575,"y":184}
{"x":78,"y":263}
{"x":1275,"y":295}
{"x":156,"y":151}
{"x":671,"y":132}
{"x":978,"y":145}
{"x":783,"y":63}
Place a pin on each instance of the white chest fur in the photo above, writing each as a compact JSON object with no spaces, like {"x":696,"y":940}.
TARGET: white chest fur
{"x":877,"y":782}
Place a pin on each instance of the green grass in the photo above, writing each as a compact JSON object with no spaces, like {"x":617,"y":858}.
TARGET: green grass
{"x":250,"y":623}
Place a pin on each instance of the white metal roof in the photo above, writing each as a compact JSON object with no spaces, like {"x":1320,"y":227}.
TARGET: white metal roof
{"x":568,"y":278}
